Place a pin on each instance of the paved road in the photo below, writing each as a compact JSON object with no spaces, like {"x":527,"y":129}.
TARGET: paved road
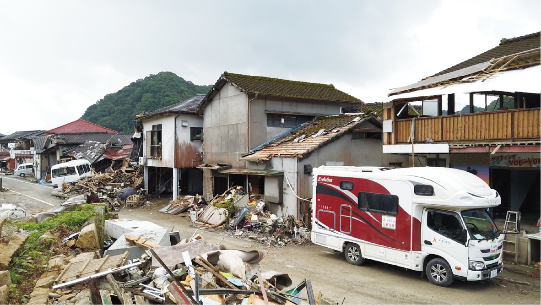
{"x":31,"y":197}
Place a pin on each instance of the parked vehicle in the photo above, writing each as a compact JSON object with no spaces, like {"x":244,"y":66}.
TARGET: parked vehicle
{"x":432,"y":220}
{"x":70,"y":172}
{"x":24,"y":169}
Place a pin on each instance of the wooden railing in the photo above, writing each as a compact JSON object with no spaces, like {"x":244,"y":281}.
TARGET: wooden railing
{"x":498,"y":125}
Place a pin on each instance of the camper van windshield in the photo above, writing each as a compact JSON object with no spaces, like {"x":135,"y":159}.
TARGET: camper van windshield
{"x":480,"y":224}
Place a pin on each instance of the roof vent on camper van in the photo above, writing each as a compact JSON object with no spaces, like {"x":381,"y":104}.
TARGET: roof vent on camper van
{"x":423,"y":190}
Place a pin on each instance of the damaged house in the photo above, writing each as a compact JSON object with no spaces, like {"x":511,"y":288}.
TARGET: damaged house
{"x":242,"y":112}
{"x":60,"y":144}
{"x":339,"y":140}
{"x":172,"y":145}
{"x":20,"y":146}
{"x":481,"y":115}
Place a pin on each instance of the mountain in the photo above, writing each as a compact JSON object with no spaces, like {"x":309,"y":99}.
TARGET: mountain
{"x":118,"y":110}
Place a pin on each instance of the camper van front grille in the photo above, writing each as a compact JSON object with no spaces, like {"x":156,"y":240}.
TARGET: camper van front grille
{"x":489,"y":266}
{"x":491,"y":258}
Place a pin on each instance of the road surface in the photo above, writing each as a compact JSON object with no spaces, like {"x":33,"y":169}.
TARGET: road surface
{"x":31,"y":197}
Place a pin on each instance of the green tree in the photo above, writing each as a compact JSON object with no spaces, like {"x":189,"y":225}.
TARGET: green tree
{"x":118,"y":110}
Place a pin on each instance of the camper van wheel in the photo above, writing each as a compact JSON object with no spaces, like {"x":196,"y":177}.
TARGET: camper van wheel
{"x":22,"y":175}
{"x":353,"y":254}
{"x":439,"y":272}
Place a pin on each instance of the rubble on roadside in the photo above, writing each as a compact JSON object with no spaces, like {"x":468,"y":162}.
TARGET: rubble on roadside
{"x":242,"y":215}
{"x":139,"y":262}
{"x":121,"y":187}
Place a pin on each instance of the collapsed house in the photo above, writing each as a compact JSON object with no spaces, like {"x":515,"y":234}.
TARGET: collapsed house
{"x":57,"y":145}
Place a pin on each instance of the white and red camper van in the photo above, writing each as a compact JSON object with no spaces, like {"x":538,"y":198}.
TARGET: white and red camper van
{"x":432,"y":220}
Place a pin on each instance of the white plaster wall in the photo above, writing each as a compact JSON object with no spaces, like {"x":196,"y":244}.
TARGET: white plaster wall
{"x":183,"y":132}
{"x":289,"y":205}
{"x":168,"y":140}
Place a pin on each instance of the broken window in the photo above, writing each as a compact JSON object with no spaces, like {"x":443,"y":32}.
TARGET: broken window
{"x":156,"y":141}
{"x":286,"y":121}
{"x":378,"y":203}
{"x":196,"y":133}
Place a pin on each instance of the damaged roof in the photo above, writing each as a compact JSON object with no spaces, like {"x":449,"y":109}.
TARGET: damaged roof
{"x":80,"y":138}
{"x":311,"y":135}
{"x":20,"y":135}
{"x":506,"y":47}
{"x":281,"y":88}
{"x":80,"y":126}
{"x":90,"y":151}
{"x":190,"y":105}
{"x":520,"y":52}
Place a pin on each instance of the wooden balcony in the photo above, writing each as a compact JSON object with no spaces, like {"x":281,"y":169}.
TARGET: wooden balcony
{"x":505,"y":125}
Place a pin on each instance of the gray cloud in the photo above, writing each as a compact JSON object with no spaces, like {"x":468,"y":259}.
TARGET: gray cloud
{"x":59,"y":57}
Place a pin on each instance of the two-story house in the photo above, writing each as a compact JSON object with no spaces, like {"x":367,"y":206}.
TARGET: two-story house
{"x":481,"y":115}
{"x":241,"y":112}
{"x":172,"y":145}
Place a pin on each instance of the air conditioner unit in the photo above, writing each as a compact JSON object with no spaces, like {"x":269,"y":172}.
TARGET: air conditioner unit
{"x":142,"y":161}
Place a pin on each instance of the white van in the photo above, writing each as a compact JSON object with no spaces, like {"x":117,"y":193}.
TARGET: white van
{"x":432,"y":220}
{"x":24,"y":169}
{"x":70,"y":172}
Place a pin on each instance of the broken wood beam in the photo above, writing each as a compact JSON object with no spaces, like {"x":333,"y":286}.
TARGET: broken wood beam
{"x":140,"y":241}
{"x":216,"y":274}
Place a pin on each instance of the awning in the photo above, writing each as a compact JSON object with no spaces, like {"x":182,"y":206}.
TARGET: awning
{"x":257,"y":172}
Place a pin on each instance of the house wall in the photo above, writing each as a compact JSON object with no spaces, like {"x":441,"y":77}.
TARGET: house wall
{"x":188,"y":152}
{"x":225,"y":127}
{"x":289,"y":205}
{"x":168,"y":141}
{"x":259,"y":107}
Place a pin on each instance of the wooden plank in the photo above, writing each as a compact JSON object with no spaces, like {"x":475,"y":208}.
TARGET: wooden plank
{"x":140,"y":241}
{"x":106,"y":297}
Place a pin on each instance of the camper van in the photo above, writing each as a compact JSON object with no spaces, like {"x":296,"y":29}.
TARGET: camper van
{"x":432,"y":220}
{"x":70,"y":172}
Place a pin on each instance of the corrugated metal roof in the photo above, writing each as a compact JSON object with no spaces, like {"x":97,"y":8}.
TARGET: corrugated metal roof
{"x":190,"y":105}
{"x":525,"y":48}
{"x":118,"y":153}
{"x":506,"y":47}
{"x":310,"y":136}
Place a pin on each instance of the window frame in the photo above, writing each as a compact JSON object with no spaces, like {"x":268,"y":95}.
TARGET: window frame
{"x":366,"y":207}
{"x":194,"y":137}
{"x":156,"y":141}
{"x":446,"y":213}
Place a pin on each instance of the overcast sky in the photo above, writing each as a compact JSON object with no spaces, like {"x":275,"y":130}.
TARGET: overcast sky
{"x":59,"y":57}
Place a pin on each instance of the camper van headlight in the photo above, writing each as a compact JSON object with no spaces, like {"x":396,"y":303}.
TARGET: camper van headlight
{"x":474,"y":265}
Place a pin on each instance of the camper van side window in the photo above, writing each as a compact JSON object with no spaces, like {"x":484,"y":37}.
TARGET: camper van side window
{"x":378,"y":203}
{"x":346,"y":185}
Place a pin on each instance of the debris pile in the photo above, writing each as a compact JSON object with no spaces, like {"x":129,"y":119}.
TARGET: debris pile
{"x":116,"y":187}
{"x":139,"y":262}
{"x":242,"y":215}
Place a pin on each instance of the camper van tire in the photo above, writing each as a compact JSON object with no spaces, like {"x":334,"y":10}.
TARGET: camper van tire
{"x":353,"y":254}
{"x":439,"y":272}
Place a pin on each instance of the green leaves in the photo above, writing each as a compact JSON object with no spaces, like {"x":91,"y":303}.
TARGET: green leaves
{"x":118,"y":110}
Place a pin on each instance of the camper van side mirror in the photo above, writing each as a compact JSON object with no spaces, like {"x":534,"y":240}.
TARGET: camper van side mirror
{"x":463,"y":236}
{"x":423,"y":190}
